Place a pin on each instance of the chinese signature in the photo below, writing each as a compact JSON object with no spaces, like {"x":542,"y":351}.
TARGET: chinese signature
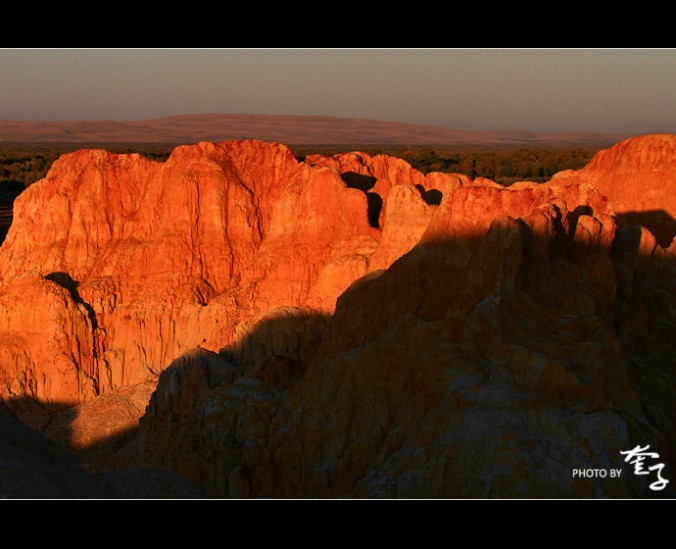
{"x":637,"y":456}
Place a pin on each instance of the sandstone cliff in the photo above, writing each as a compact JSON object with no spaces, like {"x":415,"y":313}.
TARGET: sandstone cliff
{"x":345,"y":326}
{"x":637,"y":177}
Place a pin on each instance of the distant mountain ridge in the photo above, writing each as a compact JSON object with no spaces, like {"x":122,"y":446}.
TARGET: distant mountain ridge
{"x":289,"y":129}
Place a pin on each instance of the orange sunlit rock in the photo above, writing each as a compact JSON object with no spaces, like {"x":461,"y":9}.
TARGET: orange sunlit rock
{"x":154,"y":259}
{"x":343,"y":326}
{"x":637,"y":177}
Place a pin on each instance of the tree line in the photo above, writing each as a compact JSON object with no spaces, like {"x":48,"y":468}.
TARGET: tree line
{"x":503,"y":166}
{"x":22,"y":166}
{"x":22,"y":169}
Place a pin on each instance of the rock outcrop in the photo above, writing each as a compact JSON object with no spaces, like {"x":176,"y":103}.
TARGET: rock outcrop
{"x":341,"y":327}
{"x":483,"y":364}
{"x":135,"y":262}
{"x":32,"y":466}
{"x":637,"y":177}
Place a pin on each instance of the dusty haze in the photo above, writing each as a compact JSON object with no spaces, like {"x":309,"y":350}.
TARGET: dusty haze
{"x":191,"y":128}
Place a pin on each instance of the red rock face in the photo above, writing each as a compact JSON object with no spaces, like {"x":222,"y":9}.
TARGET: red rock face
{"x":345,"y":326}
{"x":637,"y":177}
{"x":150,"y":260}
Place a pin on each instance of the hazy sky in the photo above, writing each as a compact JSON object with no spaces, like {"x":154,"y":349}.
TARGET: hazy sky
{"x":628,"y":91}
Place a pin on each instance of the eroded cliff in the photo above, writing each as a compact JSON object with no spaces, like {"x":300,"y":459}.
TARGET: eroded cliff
{"x":344,"y":326}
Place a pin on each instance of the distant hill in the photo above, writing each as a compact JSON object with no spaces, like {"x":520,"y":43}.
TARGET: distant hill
{"x":291,"y":130}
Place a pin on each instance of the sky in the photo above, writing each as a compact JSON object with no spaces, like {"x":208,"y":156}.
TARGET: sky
{"x":605,"y":90}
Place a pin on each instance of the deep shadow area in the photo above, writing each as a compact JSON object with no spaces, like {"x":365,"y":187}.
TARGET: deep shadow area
{"x":56,"y":421}
{"x":278,"y":350}
{"x":432,"y":197}
{"x":42,"y":462}
{"x":278,"y":357}
{"x":365,"y":183}
{"x":8,"y":194}
{"x":32,"y":466}
{"x":67,"y":282}
{"x":355,"y":180}
{"x":658,"y":222}
{"x":574,"y":216}
{"x":375,"y":206}
{"x":235,"y":393}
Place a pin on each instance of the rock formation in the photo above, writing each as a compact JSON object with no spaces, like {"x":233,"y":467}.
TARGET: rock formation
{"x":141,"y":261}
{"x":637,"y":177}
{"x":32,"y":466}
{"x":341,"y":327}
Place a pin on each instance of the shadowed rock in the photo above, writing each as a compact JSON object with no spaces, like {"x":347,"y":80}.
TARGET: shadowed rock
{"x":459,"y":340}
{"x":637,"y":176}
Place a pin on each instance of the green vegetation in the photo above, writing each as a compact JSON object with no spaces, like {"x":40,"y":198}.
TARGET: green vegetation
{"x":24,"y":164}
{"x":23,"y":168}
{"x":504,"y":165}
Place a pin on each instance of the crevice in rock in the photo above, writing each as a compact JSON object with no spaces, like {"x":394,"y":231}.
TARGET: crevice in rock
{"x":66,"y":281}
{"x":573,"y":217}
{"x":365,"y":183}
{"x":432,"y":197}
